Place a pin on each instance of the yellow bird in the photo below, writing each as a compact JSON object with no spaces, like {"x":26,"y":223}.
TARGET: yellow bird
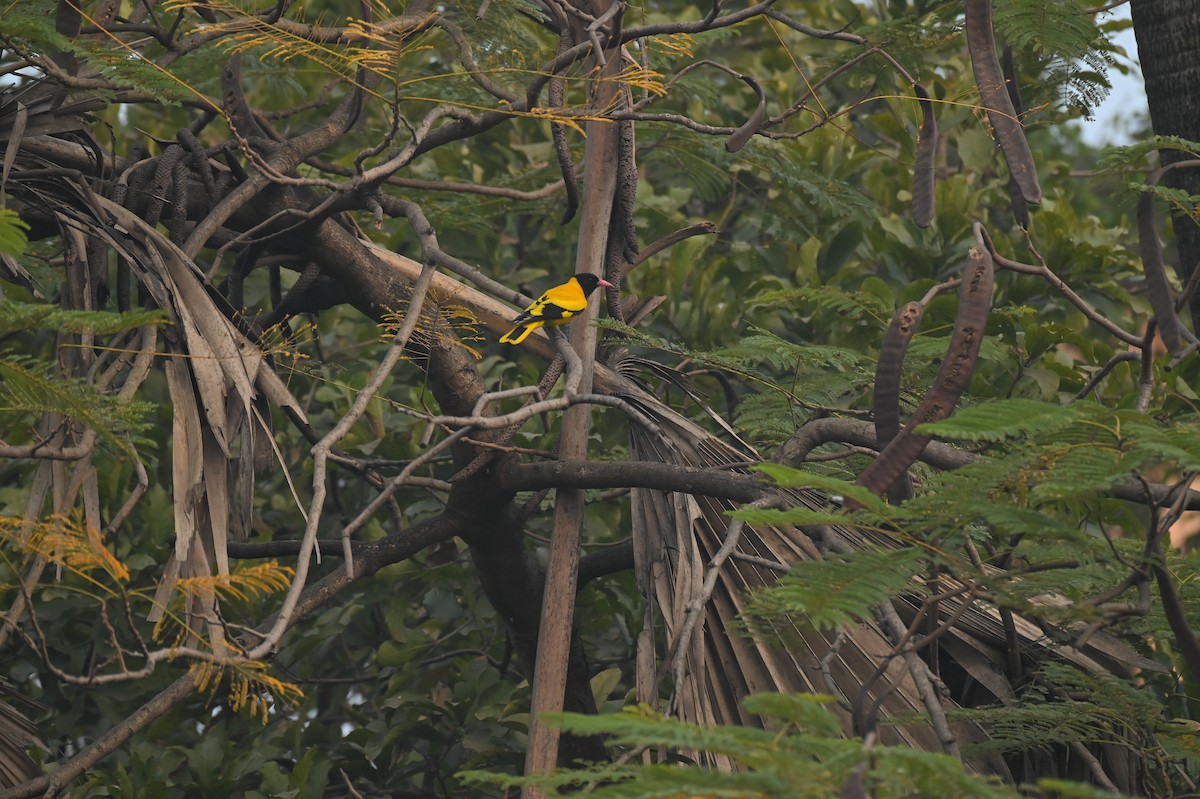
{"x":556,"y":306}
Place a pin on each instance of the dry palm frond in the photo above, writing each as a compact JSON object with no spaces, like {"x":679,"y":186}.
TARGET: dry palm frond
{"x":17,"y":735}
{"x":676,"y":539}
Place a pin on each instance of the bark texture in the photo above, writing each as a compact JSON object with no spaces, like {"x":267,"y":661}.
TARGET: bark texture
{"x":1168,"y":41}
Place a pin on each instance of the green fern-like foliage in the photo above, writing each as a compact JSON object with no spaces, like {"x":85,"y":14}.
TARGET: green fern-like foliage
{"x":709,"y":169}
{"x":708,"y":179}
{"x":996,"y":421}
{"x":1047,"y":481}
{"x":768,"y":418}
{"x":786,"y":380}
{"x":806,"y":759}
{"x":21,"y":316}
{"x":1177,"y":198}
{"x":839,"y":590}
{"x":910,"y":37}
{"x":775,"y":354}
{"x":761,"y":353}
{"x":1063,"y":705}
{"x":127,"y":70}
{"x":1062,"y":54}
{"x":34,"y":22}
{"x":805,"y":182}
{"x":1038,"y":502}
{"x":1084,"y":449}
{"x":33,"y":386}
{"x":1075,"y":57}
{"x":853,"y":304}
{"x":1134,"y":156}
{"x":30,"y":386}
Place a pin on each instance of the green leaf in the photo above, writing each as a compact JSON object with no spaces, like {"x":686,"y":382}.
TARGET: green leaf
{"x":16,"y":317}
{"x":13,"y":240}
{"x":809,"y":712}
{"x":995,"y":421}
{"x":637,"y":728}
{"x":788,"y":477}
{"x":1062,"y":789}
{"x":603,"y":685}
{"x":855,"y":304}
{"x":32,"y":386}
{"x":841,"y":589}
{"x":798,"y":516}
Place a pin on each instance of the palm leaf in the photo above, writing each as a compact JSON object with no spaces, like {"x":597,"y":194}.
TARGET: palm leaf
{"x":675,"y":538}
{"x":17,"y":735}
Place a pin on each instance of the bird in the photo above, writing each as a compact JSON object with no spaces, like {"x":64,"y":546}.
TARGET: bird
{"x":556,"y":306}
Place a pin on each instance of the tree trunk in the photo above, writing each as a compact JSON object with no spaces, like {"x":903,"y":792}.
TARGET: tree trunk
{"x":557,"y":645}
{"x":1168,"y":40}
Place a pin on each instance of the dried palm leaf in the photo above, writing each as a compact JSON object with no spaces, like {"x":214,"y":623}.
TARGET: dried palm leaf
{"x":17,"y":735}
{"x":214,"y":386}
{"x":676,"y":537}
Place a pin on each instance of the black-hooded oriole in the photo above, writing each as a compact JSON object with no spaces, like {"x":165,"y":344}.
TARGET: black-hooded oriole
{"x":556,"y":306}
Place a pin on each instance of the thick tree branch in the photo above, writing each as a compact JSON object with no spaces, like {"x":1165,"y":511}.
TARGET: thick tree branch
{"x":635,"y":474}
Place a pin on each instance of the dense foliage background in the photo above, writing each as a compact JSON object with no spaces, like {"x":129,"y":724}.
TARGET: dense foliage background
{"x":207,"y":372}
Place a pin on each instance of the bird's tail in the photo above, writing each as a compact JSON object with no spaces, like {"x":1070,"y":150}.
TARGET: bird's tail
{"x":519,"y":333}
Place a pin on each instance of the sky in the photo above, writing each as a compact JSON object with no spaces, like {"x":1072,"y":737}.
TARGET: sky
{"x":1127,"y":101}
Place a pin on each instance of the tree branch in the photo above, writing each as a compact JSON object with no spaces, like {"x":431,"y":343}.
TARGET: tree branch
{"x":635,"y":474}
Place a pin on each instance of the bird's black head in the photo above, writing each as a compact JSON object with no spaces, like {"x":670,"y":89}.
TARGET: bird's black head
{"x":588,"y":282}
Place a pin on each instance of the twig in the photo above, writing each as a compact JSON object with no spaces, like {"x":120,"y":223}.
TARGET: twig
{"x":349,"y":784}
{"x":835,"y":648}
{"x":1094,"y":381}
{"x":1044,"y":271}
{"x":800,"y":27}
{"x":1093,"y":763}
{"x":1186,"y":641}
{"x":553,"y":372}
{"x":922,"y":678}
{"x":672,"y":238}
{"x":697,"y":605}
{"x":321,"y":452}
{"x":766,"y":563}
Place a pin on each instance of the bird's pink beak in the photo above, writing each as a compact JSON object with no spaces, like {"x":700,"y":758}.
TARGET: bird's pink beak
{"x":604,"y":282}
